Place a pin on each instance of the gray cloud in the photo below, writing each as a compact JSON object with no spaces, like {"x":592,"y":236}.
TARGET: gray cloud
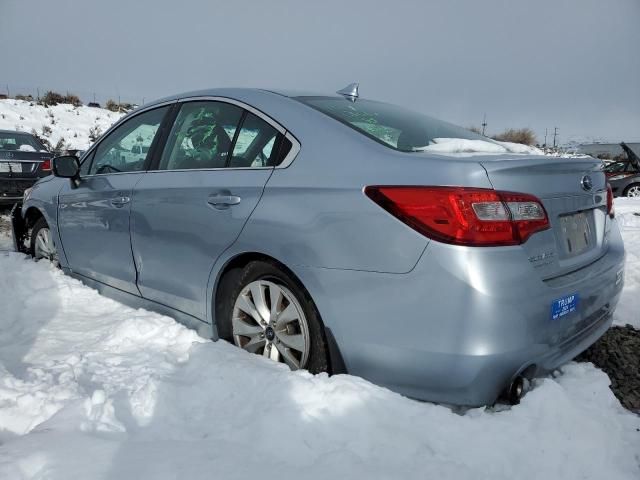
{"x":574,"y":64}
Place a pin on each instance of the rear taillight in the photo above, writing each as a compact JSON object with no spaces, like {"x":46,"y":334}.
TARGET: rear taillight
{"x":45,"y":166}
{"x":464,"y":216}
{"x":610,"y":210}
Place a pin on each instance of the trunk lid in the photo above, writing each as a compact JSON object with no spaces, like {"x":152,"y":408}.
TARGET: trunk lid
{"x":574,"y":194}
{"x":16,"y":164}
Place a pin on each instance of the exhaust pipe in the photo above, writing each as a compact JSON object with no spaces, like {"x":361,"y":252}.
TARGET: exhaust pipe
{"x":516,"y":389}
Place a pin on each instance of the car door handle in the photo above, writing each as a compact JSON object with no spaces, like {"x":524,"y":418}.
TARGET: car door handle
{"x":119,"y":202}
{"x":223,"y":201}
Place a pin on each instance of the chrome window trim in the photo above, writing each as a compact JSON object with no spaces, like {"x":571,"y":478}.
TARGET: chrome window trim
{"x":240,"y":104}
{"x":288,"y":160}
{"x":293,"y":153}
{"x":113,"y":173}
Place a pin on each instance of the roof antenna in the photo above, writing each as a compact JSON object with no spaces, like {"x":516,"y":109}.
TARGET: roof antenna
{"x":350,"y":92}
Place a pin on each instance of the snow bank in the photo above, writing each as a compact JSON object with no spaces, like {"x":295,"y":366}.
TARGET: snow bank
{"x":628,"y":217}
{"x":460,"y":145}
{"x":92,"y":389}
{"x":65,"y":121}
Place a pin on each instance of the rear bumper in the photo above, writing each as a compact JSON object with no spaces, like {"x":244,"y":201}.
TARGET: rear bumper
{"x":12,"y":189}
{"x":464,"y":322}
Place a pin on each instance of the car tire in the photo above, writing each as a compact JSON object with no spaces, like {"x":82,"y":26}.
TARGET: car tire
{"x":307,"y":330}
{"x":42,"y":245}
{"x":632,"y":191}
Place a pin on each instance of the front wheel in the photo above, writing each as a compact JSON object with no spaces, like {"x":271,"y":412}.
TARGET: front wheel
{"x":632,"y":190}
{"x":271,"y":314}
{"x":42,"y":243}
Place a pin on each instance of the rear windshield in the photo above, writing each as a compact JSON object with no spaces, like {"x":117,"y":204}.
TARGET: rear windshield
{"x":393,"y":126}
{"x":19,"y":141}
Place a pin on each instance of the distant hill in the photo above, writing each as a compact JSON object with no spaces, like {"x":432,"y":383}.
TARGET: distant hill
{"x":63,"y":124}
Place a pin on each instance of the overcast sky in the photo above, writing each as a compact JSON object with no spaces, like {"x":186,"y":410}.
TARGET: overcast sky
{"x":574,"y":64}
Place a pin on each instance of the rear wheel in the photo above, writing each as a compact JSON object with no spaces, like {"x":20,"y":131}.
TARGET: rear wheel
{"x":270,"y":314}
{"x":42,"y":243}
{"x":632,"y":190}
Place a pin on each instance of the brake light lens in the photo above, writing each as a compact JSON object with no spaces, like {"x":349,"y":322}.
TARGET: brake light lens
{"x":464,"y":216}
{"x":610,"y":209}
{"x":45,"y":166}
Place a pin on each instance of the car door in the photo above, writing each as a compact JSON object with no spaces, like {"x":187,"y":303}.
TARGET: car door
{"x":94,"y":214}
{"x":211,"y":175}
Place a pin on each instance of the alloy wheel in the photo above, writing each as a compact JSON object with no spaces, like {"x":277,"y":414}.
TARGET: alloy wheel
{"x":45,"y":246}
{"x":268,"y":320}
{"x":633,"y":191}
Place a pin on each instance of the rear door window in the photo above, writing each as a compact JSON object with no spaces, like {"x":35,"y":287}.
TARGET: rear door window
{"x":202,"y":136}
{"x":257,"y":144}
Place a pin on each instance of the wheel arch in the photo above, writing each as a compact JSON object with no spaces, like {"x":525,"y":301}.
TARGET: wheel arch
{"x":32,"y":215}
{"x":233,"y":266}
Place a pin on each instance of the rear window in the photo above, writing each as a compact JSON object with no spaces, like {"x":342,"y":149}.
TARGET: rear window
{"x":20,"y":142}
{"x":393,"y":126}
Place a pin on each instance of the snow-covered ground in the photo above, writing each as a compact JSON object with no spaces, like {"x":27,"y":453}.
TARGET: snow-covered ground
{"x":92,"y":389}
{"x":73,"y":124}
{"x":628,"y":216}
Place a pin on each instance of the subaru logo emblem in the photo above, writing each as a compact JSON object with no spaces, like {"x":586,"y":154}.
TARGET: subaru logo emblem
{"x":587,"y":183}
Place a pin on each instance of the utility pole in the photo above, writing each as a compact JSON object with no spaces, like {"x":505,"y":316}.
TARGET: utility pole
{"x":555,"y":134}
{"x":545,"y":138}
{"x":484,"y":123}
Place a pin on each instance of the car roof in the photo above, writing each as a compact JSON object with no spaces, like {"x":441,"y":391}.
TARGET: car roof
{"x":238,"y":92}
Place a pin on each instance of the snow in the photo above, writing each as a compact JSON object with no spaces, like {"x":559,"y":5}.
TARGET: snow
{"x":92,"y":389}
{"x":73,"y":124}
{"x":460,"y":145}
{"x":520,"y":148}
{"x":628,"y":217}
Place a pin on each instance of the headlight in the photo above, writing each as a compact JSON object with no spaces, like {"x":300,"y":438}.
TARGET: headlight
{"x":27,"y":194}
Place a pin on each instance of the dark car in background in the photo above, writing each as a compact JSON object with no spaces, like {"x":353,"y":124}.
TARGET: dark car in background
{"x":23,"y":160}
{"x":624,"y":175}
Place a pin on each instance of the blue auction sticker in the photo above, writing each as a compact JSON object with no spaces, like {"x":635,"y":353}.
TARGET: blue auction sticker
{"x":564,"y":306}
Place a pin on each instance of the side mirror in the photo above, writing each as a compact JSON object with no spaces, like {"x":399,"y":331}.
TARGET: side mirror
{"x":66,"y":166}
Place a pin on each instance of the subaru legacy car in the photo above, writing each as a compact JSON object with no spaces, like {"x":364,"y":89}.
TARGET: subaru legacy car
{"x":340,"y":234}
{"x":23,"y":160}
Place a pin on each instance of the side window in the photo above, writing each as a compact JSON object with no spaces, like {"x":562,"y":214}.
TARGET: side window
{"x":126,"y":148}
{"x":201,"y":136}
{"x":257,"y":144}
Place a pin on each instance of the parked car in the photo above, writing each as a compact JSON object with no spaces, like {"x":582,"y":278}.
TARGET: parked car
{"x":624,"y":176}
{"x":23,"y":160}
{"x":335,"y":233}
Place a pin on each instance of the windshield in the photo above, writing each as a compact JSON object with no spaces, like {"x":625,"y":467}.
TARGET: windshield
{"x":397,"y":127}
{"x":19,"y":141}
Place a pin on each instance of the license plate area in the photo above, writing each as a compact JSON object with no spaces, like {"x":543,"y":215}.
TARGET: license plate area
{"x":576,"y":233}
{"x":10,"y":167}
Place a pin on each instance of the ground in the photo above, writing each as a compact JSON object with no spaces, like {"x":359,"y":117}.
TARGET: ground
{"x":92,"y":389}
